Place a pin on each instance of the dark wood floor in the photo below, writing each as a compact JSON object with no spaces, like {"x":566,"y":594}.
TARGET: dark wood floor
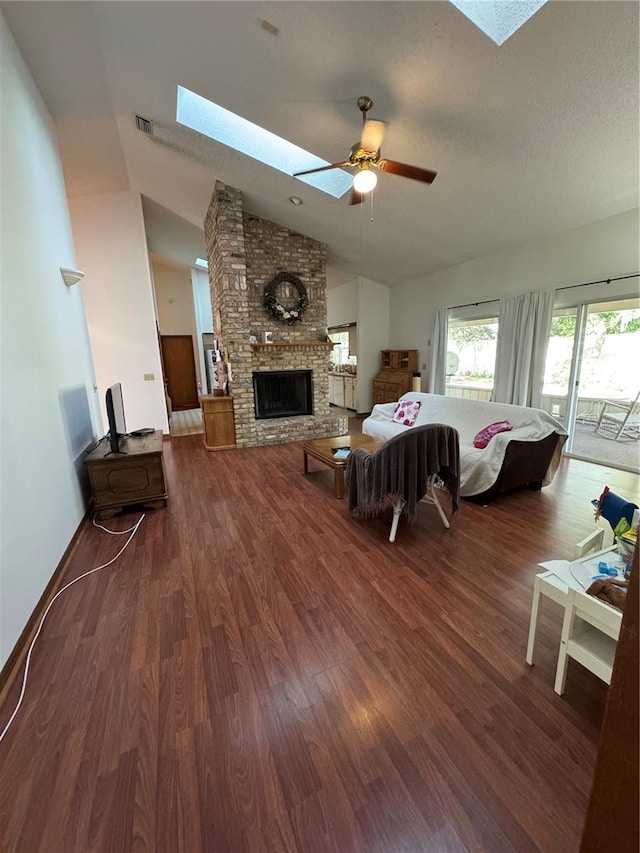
{"x":261,"y":673}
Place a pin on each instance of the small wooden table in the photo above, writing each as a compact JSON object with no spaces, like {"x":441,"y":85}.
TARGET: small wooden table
{"x":322,"y":450}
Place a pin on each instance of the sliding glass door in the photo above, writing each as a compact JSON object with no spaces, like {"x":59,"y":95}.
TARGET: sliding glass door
{"x":593,"y":357}
{"x":560,"y":365}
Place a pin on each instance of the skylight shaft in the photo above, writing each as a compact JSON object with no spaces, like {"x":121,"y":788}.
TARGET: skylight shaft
{"x":236,"y":132}
{"x":498,"y":19}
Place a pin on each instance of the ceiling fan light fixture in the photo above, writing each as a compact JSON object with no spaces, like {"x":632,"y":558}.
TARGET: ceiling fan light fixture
{"x":364,"y":179}
{"x":365,"y":154}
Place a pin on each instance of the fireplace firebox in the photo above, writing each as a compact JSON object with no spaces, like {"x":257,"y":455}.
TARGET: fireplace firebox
{"x":282,"y":393}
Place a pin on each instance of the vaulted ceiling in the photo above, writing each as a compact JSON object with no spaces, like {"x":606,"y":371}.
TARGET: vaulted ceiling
{"x":531,"y":138}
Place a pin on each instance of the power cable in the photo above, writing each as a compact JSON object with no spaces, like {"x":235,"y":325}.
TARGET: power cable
{"x":132,"y":530}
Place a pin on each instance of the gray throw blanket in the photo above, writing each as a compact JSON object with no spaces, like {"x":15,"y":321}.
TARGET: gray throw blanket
{"x":401,"y":468}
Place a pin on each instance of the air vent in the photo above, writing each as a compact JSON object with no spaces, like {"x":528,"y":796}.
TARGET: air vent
{"x":144,"y":125}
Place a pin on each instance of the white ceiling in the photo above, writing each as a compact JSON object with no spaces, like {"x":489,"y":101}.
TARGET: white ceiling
{"x":531,"y":138}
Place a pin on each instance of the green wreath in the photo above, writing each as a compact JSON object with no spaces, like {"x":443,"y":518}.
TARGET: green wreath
{"x":273,"y":306}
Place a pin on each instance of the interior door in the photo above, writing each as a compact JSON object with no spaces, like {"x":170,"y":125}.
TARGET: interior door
{"x":180,"y":371}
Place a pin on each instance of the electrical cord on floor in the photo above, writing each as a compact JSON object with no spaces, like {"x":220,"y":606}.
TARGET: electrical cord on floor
{"x":132,"y":530}
{"x":116,"y":532}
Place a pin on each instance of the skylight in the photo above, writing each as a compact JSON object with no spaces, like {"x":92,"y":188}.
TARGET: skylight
{"x":498,"y":19}
{"x":226,"y":127}
{"x":200,"y":262}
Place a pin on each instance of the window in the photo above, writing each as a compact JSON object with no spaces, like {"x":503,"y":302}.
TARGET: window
{"x":344,"y":344}
{"x":471,"y":358}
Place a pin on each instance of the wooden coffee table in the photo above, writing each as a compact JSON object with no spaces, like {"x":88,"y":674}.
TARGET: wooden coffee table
{"x":321,"y":449}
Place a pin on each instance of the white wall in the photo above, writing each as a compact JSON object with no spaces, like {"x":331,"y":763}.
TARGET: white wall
{"x":48,"y":411}
{"x":118,"y":294}
{"x":602,"y":249}
{"x":342,"y":303}
{"x":366,"y":303}
{"x":202,"y":300}
{"x":174,"y":303}
{"x":373,"y":335}
{"x":204,"y":315}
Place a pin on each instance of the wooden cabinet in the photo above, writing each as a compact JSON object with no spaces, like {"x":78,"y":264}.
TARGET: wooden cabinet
{"x":396,"y":375}
{"x":134,"y":476}
{"x":399,"y":359}
{"x":218,"y":422}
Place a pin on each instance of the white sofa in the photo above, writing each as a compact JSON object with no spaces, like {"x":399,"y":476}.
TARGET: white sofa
{"x":529,"y":454}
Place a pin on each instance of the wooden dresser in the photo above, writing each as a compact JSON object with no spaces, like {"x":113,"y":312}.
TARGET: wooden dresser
{"x":219,"y":425}
{"x":395,"y":378}
{"x":133,"y":477}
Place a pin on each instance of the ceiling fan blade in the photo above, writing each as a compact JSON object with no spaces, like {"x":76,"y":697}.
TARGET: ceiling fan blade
{"x":356,"y":197}
{"x":322,"y":169}
{"x":406,"y":171}
{"x":372,"y":134}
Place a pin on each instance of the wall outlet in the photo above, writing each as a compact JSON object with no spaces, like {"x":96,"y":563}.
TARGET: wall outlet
{"x":149,"y":377}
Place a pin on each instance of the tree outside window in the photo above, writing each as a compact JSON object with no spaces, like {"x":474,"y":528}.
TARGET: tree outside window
{"x":471,"y":349}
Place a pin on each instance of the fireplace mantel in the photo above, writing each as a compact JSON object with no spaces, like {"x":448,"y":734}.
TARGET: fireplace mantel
{"x":293,"y":345}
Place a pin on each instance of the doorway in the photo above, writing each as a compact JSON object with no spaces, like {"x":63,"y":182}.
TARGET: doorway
{"x":592,"y":357}
{"x":180,"y":371}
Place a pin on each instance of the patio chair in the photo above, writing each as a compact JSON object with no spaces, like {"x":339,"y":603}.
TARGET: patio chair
{"x":625,"y":418}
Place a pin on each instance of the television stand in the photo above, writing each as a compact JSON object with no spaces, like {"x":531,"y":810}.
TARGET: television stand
{"x":134,"y":478}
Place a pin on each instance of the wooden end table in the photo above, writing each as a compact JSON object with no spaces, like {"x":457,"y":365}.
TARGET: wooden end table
{"x":133,"y":477}
{"x":322,"y":450}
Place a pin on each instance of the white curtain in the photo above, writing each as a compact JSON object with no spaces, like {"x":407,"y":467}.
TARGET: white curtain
{"x":523,"y":336}
{"x":438,"y":362}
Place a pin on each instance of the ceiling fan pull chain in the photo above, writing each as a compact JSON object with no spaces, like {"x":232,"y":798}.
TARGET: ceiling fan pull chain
{"x":361,"y":240}
{"x":372,"y":195}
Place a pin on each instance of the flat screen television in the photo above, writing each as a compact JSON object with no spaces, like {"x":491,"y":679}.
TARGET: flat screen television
{"x":115,"y":417}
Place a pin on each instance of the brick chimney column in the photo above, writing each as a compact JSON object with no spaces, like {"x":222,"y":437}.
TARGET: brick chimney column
{"x":226,"y":257}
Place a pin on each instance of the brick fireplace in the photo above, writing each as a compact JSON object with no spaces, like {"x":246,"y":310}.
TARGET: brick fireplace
{"x":244,"y":254}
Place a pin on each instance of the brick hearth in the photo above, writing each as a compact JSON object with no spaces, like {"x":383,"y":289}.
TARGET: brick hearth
{"x":244,"y":253}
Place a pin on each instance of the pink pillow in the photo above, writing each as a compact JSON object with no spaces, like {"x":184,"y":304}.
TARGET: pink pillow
{"x":485,"y":435}
{"x":406,"y":412}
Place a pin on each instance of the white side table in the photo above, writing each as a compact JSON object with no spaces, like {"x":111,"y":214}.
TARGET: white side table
{"x":549,"y":584}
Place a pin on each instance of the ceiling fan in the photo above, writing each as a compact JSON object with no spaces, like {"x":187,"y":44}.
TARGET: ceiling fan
{"x":365,"y":154}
